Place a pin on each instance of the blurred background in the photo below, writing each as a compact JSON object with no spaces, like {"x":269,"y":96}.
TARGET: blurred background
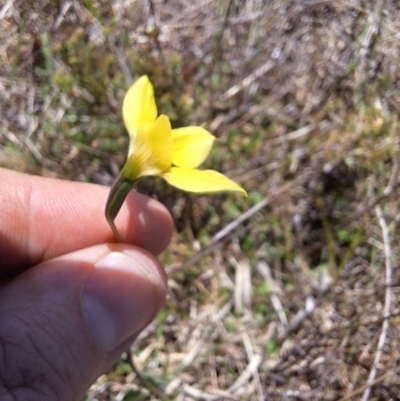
{"x":288,"y":294}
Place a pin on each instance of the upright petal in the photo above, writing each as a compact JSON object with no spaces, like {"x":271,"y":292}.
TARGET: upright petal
{"x":191,"y":146}
{"x":200,"y":181}
{"x":152,"y":150}
{"x":139,"y":106}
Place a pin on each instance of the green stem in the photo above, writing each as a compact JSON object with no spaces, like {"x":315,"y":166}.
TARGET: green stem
{"x":118,"y":192}
{"x":144,"y":382}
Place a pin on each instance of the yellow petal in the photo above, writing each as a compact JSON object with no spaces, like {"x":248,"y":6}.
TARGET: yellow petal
{"x":191,"y":146}
{"x":139,"y":106}
{"x":200,"y":181}
{"x":151,"y":151}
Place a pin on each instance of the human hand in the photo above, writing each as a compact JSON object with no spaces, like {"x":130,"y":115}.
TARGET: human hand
{"x":70,"y":301}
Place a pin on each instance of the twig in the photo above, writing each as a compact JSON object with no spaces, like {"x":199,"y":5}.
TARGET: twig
{"x":201,"y":395}
{"x":250,"y":371}
{"x":25,"y":141}
{"x":256,"y":208}
{"x":4,"y":10}
{"x":242,"y":218}
{"x":376,"y":381}
{"x":250,"y":355}
{"x":373,"y":25}
{"x":246,"y":82}
{"x":265,"y":272}
{"x":310,"y":305}
{"x":157,"y":31}
{"x":209,"y":328}
{"x":242,"y":293}
{"x":393,"y":178}
{"x":388,"y":295}
{"x":147,"y":384}
{"x":217,"y":53}
{"x":368,"y":208}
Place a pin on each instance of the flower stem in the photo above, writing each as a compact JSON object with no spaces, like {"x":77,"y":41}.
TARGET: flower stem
{"x":116,"y":198}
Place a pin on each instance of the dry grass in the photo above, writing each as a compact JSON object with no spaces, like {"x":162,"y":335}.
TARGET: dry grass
{"x":292,"y":293}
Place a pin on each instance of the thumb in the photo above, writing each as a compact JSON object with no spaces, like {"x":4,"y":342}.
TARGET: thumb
{"x":66,"y":321}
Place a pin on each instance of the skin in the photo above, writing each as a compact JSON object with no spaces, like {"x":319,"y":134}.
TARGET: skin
{"x":71,"y":300}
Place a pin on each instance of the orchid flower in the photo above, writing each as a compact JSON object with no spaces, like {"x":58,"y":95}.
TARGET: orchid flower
{"x":155,"y":149}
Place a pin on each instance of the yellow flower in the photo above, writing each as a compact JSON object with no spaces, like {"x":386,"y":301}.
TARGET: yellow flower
{"x":156,"y":149}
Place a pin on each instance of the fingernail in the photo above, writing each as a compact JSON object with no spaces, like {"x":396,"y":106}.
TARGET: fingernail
{"x":121,"y":296}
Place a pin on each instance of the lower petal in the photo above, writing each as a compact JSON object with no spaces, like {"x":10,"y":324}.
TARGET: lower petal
{"x":200,"y":181}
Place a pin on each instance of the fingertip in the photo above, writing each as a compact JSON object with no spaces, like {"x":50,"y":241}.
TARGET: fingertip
{"x":122,"y":295}
{"x":42,"y":218}
{"x":146,"y":223}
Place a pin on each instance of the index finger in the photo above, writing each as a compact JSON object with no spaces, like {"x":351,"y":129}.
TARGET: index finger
{"x":41,"y":218}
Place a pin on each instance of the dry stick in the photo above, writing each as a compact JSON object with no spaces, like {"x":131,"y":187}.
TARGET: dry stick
{"x":246,"y":82}
{"x":256,"y":208}
{"x":265,"y":271}
{"x":362,"y":388}
{"x":23,"y":140}
{"x":364,"y":40}
{"x":367,"y":209}
{"x":146,"y":383}
{"x":394,"y":178}
{"x":256,"y":376}
{"x":201,"y":395}
{"x":198,"y":348}
{"x":251,"y":369}
{"x":217,"y":53}
{"x":310,"y":304}
{"x":371,"y":31}
{"x":156,"y":27}
{"x":388,"y":295}
{"x":242,"y":218}
{"x":242,"y":292}
{"x":368,"y":42}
